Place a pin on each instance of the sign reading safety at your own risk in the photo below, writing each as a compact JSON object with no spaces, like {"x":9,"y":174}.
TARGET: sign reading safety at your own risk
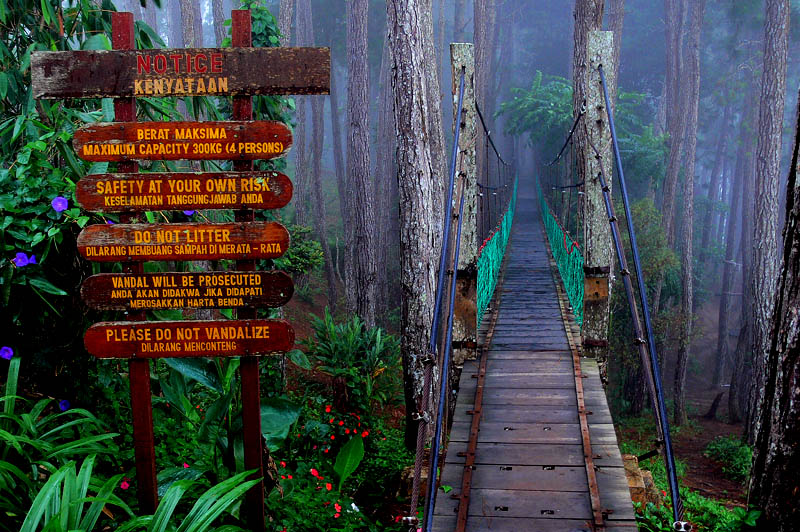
{"x":159,"y":141}
{"x":200,"y":338}
{"x":144,"y":242}
{"x":135,"y":192}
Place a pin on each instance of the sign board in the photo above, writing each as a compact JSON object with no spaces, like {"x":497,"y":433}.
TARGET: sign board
{"x":133,"y":192}
{"x":144,"y":242}
{"x":180,"y":72}
{"x":196,"y":338}
{"x":147,"y":291}
{"x":159,"y":141}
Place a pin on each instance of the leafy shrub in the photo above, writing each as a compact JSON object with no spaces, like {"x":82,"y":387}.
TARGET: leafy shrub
{"x":365,"y":361}
{"x":736,"y":456}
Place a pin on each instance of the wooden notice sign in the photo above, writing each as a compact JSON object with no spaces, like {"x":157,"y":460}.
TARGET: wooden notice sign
{"x":159,"y":141}
{"x":196,"y":338}
{"x":143,"y":242}
{"x":182,"y":191}
{"x":120,"y":291}
{"x":180,"y":72}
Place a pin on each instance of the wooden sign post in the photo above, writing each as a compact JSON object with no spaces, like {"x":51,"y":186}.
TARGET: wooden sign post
{"x":125,"y":73}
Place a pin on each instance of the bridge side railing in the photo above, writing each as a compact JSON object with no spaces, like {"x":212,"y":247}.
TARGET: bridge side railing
{"x":566,"y":254}
{"x":491,"y":254}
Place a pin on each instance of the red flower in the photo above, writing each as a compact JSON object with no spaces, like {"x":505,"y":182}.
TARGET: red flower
{"x":338,"y":507}
{"x":124,"y":485}
{"x":341,"y":423}
{"x":314,"y":473}
{"x":327,"y":409}
{"x":283,"y":477}
{"x":365,"y":434}
{"x":283,"y":464}
{"x":347,"y":431}
{"x":333,"y":437}
{"x":328,"y":486}
{"x":290,"y":477}
{"x":336,"y":515}
{"x":331,"y":421}
{"x":398,"y":518}
{"x":325,"y":451}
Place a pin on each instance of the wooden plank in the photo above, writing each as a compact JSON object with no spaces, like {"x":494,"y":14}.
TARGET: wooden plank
{"x":536,"y":454}
{"x":615,"y":494}
{"x":486,"y":503}
{"x":521,"y":478}
{"x":180,"y":72}
{"x":120,"y":291}
{"x":191,"y":338}
{"x":180,"y":191}
{"x":520,"y":414}
{"x":564,"y":398}
{"x":171,"y":141}
{"x":143,"y":242}
{"x":506,"y":524}
{"x":549,"y":433}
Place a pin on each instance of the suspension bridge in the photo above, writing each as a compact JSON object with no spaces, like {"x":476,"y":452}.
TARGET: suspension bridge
{"x":532,"y":444}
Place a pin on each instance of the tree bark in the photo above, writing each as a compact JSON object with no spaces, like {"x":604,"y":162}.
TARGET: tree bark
{"x":219,"y":21}
{"x":774,"y":484}
{"x":765,"y":220}
{"x":285,"y":17}
{"x":588,"y":16}
{"x":302,"y":196}
{"x":616,"y":20}
{"x":485,"y":19}
{"x":687,"y":263}
{"x":361,"y":276}
{"x":417,"y":188}
{"x":189,"y":15}
{"x":728,"y":274}
{"x":713,"y":186}
{"x":175,"y":16}
{"x":338,"y":153}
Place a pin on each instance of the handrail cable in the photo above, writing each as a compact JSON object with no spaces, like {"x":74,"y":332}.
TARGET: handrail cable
{"x":569,"y":136}
{"x":677,"y":505}
{"x":488,"y":133}
{"x":429,"y":359}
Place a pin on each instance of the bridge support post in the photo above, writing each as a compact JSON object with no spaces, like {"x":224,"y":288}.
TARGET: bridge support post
{"x":598,"y":250}
{"x":465,"y":321}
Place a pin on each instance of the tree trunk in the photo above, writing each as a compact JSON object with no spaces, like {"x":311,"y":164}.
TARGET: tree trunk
{"x":317,"y":141}
{"x":728,"y":275}
{"x":302,"y":196}
{"x":616,"y":19}
{"x":484,"y":24}
{"x":285,"y":16}
{"x":460,"y":21}
{"x":588,"y":17}
{"x":713,"y":186}
{"x":737,"y":396}
{"x":219,"y":21}
{"x":687,"y":263}
{"x":361,"y":276}
{"x":175,"y":17}
{"x":338,"y":152}
{"x":765,"y":221}
{"x":150,"y":16}
{"x":189,"y":15}
{"x":417,"y":188}
{"x":774,"y":484}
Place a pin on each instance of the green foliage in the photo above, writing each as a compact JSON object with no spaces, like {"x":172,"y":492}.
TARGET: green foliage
{"x":207,"y":509}
{"x":366,"y":359}
{"x":304,"y":255}
{"x":61,"y":504}
{"x":348,"y":458}
{"x":735,"y":455}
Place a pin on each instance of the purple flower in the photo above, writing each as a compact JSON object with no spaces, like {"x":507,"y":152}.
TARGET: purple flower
{"x":20,"y":260}
{"x":109,"y":222}
{"x":6,"y":352}
{"x":59,"y":203}
{"x":63,"y":405}
{"x":188,"y":213}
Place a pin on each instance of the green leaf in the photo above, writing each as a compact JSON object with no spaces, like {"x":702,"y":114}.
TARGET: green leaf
{"x":98,"y":41}
{"x":299,"y":359}
{"x":175,"y":474}
{"x":278,"y":414}
{"x":3,"y":80}
{"x":201,"y":370}
{"x":46,"y":286}
{"x":348,"y":459}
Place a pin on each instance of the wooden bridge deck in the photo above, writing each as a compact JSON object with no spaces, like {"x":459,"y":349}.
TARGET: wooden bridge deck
{"x":530,"y":474}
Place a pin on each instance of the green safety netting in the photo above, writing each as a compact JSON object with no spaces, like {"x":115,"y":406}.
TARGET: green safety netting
{"x":491,"y":253}
{"x":567,"y":256}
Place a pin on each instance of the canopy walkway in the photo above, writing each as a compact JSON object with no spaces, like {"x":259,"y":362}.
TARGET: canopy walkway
{"x":530,"y":470}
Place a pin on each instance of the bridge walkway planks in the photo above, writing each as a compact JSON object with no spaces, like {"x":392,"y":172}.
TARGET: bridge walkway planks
{"x":529,"y":471}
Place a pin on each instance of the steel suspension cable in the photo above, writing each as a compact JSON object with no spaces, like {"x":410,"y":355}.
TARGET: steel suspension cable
{"x":443,"y":380}
{"x":569,"y":136}
{"x":677,"y":505}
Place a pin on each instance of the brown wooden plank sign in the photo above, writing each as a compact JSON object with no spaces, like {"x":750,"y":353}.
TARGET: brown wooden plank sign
{"x":170,"y":141}
{"x":144,"y":242}
{"x":195,"y":338}
{"x":180,"y":72}
{"x":134,"y":192}
{"x":120,"y":291}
